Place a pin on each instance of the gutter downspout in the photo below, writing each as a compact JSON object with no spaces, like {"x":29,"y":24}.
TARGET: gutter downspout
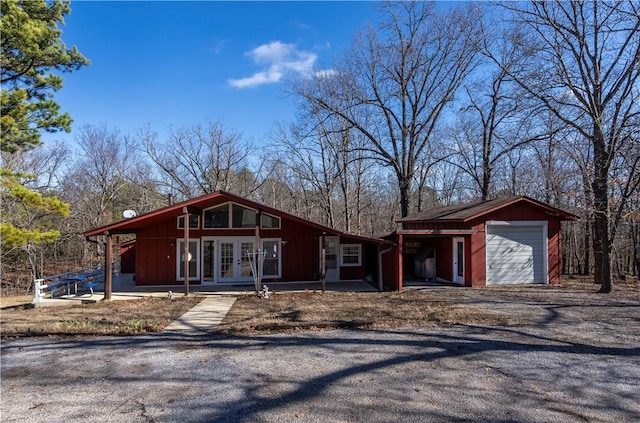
{"x":380,"y":253}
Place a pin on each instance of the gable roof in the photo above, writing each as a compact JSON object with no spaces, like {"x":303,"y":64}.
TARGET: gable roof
{"x":470,"y":211}
{"x":196,"y":205}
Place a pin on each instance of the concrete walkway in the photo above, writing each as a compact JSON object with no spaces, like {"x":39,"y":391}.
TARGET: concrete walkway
{"x":202,"y":318}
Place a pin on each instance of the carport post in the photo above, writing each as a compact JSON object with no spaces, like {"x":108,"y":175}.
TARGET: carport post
{"x":108,"y":268}
{"x":323,"y":263}
{"x":186,"y":257}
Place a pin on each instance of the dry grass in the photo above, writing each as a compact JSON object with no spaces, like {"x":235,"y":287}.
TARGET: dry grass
{"x":314,"y":310}
{"x":298,"y":311}
{"x":15,"y":300}
{"x":103,"y":318}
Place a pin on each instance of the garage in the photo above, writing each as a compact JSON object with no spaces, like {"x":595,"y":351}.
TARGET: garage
{"x":502,"y":241}
{"x":516,"y":252}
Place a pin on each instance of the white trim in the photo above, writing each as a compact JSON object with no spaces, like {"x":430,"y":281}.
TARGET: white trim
{"x":454,"y":262}
{"x":229,"y":205}
{"x":278,"y":242}
{"x":195,"y":277}
{"x":342,"y":247}
{"x":237,"y":265}
{"x":272,"y":216}
{"x":214,"y":277}
{"x":332,"y":275}
{"x":517,"y":223}
{"x":182,"y":217}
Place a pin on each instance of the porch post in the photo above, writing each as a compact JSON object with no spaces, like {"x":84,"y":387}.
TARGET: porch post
{"x":185,"y":257}
{"x":256,"y":256}
{"x":323,"y":263}
{"x":108,"y":266}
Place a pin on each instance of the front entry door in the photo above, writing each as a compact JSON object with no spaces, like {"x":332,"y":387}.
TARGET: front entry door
{"x":458,"y":260}
{"x":208,"y":260}
{"x":332,"y":244}
{"x":234,"y":260}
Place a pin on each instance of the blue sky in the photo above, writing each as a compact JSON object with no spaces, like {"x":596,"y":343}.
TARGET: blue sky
{"x":179,"y":64}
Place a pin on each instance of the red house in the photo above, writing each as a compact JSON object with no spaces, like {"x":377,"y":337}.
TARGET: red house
{"x":222,"y":233}
{"x":504,"y":241}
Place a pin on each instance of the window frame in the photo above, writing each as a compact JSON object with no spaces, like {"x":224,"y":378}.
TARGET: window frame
{"x":229,"y":205}
{"x":343,"y":247}
{"x":197,"y":216}
{"x":278,"y":241}
{"x":278,"y":218}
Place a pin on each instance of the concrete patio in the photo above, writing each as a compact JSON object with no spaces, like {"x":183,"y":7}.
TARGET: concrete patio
{"x":124,"y":288}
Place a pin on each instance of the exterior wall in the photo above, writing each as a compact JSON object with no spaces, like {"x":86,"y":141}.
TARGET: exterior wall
{"x":555,"y":252}
{"x":475,"y":249}
{"x":128,"y":257}
{"x":156,"y":256}
{"x":392,"y":277}
{"x":477,"y":270}
{"x":300,"y":255}
{"x":515,"y":213}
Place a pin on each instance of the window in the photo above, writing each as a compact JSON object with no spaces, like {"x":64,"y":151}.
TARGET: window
{"x":216,"y":217}
{"x":229,"y":216}
{"x":269,"y":222}
{"x":350,"y":254}
{"x":272,"y":258}
{"x":194,"y":221}
{"x":243,"y":217}
{"x":193,"y":256}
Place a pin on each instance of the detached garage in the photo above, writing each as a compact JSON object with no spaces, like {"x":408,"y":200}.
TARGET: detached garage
{"x":505,"y":241}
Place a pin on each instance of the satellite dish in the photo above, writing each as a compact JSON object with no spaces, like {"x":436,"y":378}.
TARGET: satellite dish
{"x":128,"y":214}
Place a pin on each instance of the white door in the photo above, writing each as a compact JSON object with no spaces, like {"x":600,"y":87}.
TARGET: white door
{"x":516,"y":253}
{"x":458,"y":260}
{"x":234,"y":259}
{"x":332,"y":245}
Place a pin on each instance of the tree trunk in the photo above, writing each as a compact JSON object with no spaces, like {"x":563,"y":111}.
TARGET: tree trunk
{"x":602,"y":241}
{"x":405,"y":193}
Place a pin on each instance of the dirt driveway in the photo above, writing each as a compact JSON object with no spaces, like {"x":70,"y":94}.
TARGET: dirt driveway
{"x":574,"y":357}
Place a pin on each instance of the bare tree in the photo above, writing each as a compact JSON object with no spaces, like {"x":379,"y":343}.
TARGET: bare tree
{"x":40,"y":172}
{"x":582,"y":64}
{"x":199,"y":159}
{"x":394,"y":85}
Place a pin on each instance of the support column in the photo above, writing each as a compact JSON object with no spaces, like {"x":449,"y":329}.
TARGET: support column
{"x":323,"y":263}
{"x":185,"y":257}
{"x":257,"y":255}
{"x":108,"y":266}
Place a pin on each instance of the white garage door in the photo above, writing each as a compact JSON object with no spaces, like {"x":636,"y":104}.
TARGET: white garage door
{"x":516,"y":253}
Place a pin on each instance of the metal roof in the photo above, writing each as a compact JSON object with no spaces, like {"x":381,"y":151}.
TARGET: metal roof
{"x":134,"y":224}
{"x":469,"y":211}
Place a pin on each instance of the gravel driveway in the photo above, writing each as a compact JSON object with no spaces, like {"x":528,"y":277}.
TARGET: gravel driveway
{"x":577,"y":359}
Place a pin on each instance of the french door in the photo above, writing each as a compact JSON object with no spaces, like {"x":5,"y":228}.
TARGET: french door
{"x":227,"y":260}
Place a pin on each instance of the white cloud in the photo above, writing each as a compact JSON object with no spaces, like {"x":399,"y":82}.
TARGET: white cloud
{"x":276,"y":59}
{"x":326,"y":73}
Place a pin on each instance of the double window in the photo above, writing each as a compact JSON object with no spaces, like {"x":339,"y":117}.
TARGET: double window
{"x":194,"y":221}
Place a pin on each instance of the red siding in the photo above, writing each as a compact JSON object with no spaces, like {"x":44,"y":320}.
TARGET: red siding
{"x":475,"y":251}
{"x":128,"y":257}
{"x":156,"y":252}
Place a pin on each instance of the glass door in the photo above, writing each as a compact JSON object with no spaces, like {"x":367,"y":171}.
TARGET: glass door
{"x":208,"y":260}
{"x":332,"y":244}
{"x":458,"y":260}
{"x":234,"y":259}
